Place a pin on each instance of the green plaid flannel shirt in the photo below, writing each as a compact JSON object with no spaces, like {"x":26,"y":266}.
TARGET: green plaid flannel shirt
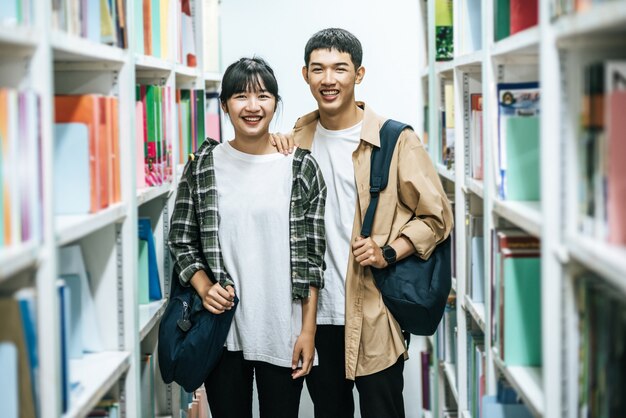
{"x":193,"y":236}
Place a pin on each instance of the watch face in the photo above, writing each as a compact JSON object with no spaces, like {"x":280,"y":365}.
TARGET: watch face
{"x":389,"y":253}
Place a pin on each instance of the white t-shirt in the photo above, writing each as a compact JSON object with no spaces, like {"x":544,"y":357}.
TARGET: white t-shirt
{"x":333,"y":152}
{"x":254,"y":195}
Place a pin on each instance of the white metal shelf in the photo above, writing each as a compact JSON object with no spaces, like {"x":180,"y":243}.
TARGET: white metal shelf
{"x":445,"y":172}
{"x":148,"y":62}
{"x":476,"y":310}
{"x":19,"y":37}
{"x":68,"y":47}
{"x":97,"y":373}
{"x":184,"y":72}
{"x":527,"y":381}
{"x":16,"y":258}
{"x":150,"y":193}
{"x":442,"y":67}
{"x":212,"y":78}
{"x":609,"y":261}
{"x":466,"y":414}
{"x":474,"y":186}
{"x":470,"y":59}
{"x":149,"y":315}
{"x":454,"y":284}
{"x":608,"y":18}
{"x":424,"y":72}
{"x":524,"y":42}
{"x":72,"y":228}
{"x":525,"y":215}
{"x":449,"y":370}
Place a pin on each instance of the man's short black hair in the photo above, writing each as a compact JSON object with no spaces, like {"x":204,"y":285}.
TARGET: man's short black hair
{"x":335,"y":38}
{"x":247,"y":74}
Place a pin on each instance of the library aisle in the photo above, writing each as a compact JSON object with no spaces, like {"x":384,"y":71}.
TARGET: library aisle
{"x":101,"y":101}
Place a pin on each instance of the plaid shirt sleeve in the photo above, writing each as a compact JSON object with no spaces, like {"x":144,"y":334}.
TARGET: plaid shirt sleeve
{"x":184,"y":236}
{"x":315,"y":201}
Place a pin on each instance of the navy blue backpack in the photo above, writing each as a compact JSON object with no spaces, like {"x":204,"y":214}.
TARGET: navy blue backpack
{"x":191,"y":339}
{"x":415,"y":291}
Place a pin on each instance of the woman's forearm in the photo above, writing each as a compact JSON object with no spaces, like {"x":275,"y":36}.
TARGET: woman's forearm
{"x":309,"y":312}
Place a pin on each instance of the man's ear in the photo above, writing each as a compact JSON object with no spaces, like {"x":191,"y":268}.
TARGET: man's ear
{"x":305,"y":74}
{"x":360,"y":73}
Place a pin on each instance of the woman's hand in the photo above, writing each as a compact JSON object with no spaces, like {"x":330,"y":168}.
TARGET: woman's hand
{"x":368,"y":253}
{"x":215,"y":298}
{"x":304,"y":351}
{"x":283,"y":142}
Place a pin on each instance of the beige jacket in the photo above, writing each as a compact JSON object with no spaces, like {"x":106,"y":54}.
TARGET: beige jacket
{"x":416,"y":208}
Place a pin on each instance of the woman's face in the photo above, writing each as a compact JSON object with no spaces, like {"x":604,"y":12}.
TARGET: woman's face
{"x":251,"y":112}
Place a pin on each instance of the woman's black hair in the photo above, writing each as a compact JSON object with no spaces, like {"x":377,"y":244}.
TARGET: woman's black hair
{"x":248,"y":74}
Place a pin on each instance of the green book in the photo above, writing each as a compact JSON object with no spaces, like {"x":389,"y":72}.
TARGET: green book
{"x":523,"y":171}
{"x":443,"y":30}
{"x":502,"y":15}
{"x":200,"y":110}
{"x":143,"y":272}
{"x":522,"y":309}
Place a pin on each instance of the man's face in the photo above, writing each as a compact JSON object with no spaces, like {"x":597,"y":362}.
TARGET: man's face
{"x":331,"y":76}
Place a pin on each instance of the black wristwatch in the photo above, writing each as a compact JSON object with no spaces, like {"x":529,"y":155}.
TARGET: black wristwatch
{"x":389,"y":254}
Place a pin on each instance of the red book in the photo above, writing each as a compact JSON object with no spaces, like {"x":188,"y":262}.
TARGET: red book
{"x":524,"y":14}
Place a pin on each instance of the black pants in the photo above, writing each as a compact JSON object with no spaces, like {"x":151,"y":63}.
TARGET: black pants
{"x":229,"y":388}
{"x":330,"y":391}
{"x":380,"y":394}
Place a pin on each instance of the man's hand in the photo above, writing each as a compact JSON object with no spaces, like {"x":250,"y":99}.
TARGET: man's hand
{"x":283,"y":142}
{"x":368,"y":253}
{"x":304,"y":350}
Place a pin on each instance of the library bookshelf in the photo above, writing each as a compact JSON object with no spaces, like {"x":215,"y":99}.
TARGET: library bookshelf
{"x":40,"y":55}
{"x":576,"y":265}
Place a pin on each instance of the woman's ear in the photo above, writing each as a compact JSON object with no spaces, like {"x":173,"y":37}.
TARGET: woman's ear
{"x":224,"y":108}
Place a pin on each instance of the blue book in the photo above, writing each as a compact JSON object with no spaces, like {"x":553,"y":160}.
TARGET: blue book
{"x":72,"y":189}
{"x":154,"y":284}
{"x":93,"y":21}
{"x":478,"y":269}
{"x":9,"y":12}
{"x":26,"y":302}
{"x":64,"y":302}
{"x":9,"y":388}
{"x":493,"y":409}
{"x":72,"y":281}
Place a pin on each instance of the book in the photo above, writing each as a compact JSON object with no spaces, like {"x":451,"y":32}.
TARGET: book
{"x":616,"y":131}
{"x":491,"y":408}
{"x":523,"y":168}
{"x":70,"y":262}
{"x":524,"y":14}
{"x":9,"y":380}
{"x":443,"y":30}
{"x":12,"y":331}
{"x":502,"y":19}
{"x":514,"y":100}
{"x":72,"y":185}
{"x":521,"y":275}
{"x":145,"y":234}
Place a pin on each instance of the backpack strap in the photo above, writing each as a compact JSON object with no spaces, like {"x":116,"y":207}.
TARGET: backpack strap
{"x":379,"y":168}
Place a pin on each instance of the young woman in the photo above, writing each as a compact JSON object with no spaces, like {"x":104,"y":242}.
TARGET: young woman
{"x":263,"y":240}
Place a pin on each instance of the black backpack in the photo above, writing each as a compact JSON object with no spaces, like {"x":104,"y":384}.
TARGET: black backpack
{"x":415,"y":291}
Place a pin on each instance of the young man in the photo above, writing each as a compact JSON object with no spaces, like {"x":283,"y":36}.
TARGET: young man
{"x":413,"y":215}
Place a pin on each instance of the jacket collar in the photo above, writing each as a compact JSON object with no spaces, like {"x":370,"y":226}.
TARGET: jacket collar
{"x":305,"y":126}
